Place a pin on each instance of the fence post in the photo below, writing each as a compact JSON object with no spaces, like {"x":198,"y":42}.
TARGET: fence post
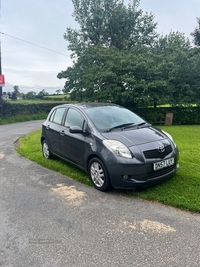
{"x":168,"y":118}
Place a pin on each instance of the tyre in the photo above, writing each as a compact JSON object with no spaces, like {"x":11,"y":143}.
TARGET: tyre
{"x":45,"y":150}
{"x":99,"y":175}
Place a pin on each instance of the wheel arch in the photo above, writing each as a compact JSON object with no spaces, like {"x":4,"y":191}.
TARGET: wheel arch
{"x":93,"y":156}
{"x":42,"y":139}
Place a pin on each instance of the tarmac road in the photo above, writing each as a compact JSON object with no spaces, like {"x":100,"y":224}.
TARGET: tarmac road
{"x":49,"y":220}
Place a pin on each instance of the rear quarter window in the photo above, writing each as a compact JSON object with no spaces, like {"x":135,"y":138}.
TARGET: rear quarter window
{"x":57,"y":115}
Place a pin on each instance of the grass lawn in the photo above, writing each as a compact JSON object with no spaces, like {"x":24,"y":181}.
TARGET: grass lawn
{"x":32,"y":101}
{"x":181,"y":191}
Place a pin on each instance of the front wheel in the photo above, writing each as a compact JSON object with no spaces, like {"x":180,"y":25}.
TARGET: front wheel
{"x":45,"y":150}
{"x":99,"y":175}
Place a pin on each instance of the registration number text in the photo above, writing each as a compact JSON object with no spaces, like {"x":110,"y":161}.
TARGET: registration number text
{"x":163,"y":164}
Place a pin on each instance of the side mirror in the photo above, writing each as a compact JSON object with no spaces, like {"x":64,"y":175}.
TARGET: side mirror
{"x":75,"y":129}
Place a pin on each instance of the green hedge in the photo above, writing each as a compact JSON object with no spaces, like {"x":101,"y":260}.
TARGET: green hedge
{"x":15,"y":109}
{"x":156,"y":116}
{"x":181,"y":115}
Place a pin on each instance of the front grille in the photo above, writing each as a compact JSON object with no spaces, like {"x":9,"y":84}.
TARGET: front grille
{"x":155,"y":174}
{"x":154,"y":153}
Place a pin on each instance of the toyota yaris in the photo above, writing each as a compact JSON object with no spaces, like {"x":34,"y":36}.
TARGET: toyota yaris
{"x":114,"y":145}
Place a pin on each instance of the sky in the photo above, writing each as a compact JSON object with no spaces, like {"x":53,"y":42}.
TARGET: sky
{"x":44,"y":22}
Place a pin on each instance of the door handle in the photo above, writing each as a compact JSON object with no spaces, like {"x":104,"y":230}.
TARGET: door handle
{"x":62,"y":132}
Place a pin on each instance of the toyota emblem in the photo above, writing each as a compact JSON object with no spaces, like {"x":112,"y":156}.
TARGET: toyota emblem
{"x":161,"y":149}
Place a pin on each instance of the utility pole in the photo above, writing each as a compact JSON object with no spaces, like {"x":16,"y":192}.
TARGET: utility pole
{"x":1,"y":91}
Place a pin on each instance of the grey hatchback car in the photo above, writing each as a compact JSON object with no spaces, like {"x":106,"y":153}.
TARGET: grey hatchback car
{"x":114,"y":145}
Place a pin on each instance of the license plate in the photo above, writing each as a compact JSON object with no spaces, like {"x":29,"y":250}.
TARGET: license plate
{"x":163,"y":164}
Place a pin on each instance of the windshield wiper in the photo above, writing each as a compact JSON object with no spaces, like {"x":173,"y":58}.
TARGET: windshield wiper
{"x":137,"y":125}
{"x":142,"y":123}
{"x":122,"y":126}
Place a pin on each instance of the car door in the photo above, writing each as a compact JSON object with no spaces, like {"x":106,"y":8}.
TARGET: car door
{"x":73,"y":144}
{"x":52,"y":131}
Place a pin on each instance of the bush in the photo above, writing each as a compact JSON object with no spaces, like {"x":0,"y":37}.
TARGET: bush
{"x":16,"y":109}
{"x":181,"y":115}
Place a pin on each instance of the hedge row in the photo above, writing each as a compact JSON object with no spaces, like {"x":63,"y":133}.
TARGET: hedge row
{"x":15,"y":109}
{"x":181,"y":115}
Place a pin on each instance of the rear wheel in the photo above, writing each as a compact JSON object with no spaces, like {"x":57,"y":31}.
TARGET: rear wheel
{"x":45,"y":150}
{"x":99,"y":175}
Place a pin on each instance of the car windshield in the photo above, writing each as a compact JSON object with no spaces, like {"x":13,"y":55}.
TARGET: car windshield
{"x":107,"y":118}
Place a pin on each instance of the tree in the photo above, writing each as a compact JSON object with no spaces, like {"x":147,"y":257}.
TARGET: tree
{"x":194,"y":58}
{"x":16,"y":89}
{"x":109,"y":23}
{"x":124,"y":77}
{"x":196,"y":34}
{"x":58,"y":91}
{"x":15,"y":93}
{"x":109,"y":32}
{"x":176,"y":69}
{"x":118,"y":57}
{"x":30,"y":95}
{"x":41,"y":94}
{"x":9,"y":94}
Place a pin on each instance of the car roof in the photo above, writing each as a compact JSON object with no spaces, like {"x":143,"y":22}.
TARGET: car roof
{"x":88,"y":105}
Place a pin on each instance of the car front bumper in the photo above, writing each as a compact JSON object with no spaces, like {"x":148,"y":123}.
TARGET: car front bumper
{"x":133,"y":173}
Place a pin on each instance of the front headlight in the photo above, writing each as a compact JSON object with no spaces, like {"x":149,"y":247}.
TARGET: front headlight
{"x":170,"y":137}
{"x":117,"y":148}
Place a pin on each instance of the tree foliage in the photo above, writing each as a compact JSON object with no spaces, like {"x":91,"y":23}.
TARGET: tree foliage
{"x":119,"y":57}
{"x":109,"y":23}
{"x":177,"y":68}
{"x":196,"y":34}
{"x":15,"y":94}
{"x":34,"y":95}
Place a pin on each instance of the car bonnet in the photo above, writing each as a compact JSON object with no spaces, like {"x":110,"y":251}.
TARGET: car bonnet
{"x":135,"y":136}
